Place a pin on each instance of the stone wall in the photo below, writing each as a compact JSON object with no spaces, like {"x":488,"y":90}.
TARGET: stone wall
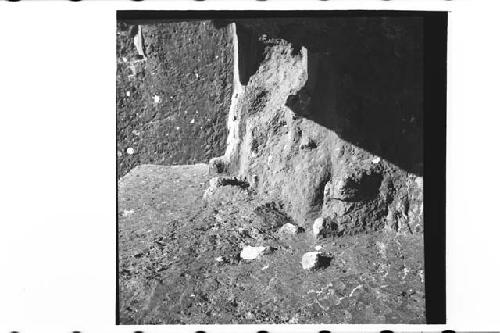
{"x":172,"y":104}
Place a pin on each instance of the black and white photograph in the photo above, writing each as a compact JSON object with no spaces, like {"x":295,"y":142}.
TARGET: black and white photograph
{"x":270,"y":169}
{"x":258,"y":166}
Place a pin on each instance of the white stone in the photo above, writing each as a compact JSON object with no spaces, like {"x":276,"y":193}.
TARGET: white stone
{"x":252,"y":252}
{"x":219,"y":259}
{"x":192,"y":121}
{"x":128,"y":212}
{"x":156,"y":98}
{"x":318,"y":226}
{"x":310,"y":260}
{"x":289,"y":228}
{"x":130,"y":151}
{"x":128,"y":93}
{"x":177,"y":128}
{"x":317,"y":247}
{"x":376,"y":160}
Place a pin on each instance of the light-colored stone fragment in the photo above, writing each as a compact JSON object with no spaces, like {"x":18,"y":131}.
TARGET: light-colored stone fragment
{"x":318,"y":226}
{"x":288,"y":229}
{"x":310,"y":260}
{"x":252,"y":252}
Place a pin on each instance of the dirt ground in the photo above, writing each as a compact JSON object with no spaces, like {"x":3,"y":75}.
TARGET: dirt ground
{"x":179,"y":260}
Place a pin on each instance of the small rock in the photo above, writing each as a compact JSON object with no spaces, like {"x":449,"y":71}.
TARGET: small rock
{"x":128,"y":212}
{"x":217,"y":182}
{"x":177,"y":128}
{"x":376,"y":160}
{"x":138,"y":254}
{"x":421,"y":275}
{"x":252,"y":252}
{"x":317,"y":247}
{"x":307,"y":143}
{"x":254,"y":181}
{"x":265,"y":267}
{"x":192,"y":121}
{"x":156,"y":98}
{"x":288,"y":229}
{"x":216,"y":165}
{"x":318,"y":226}
{"x":128,"y":93}
{"x":311,"y":260}
{"x":219,"y":259}
{"x":130,"y":151}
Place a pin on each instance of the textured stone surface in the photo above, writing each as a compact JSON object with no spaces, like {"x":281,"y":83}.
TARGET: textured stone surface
{"x":172,"y":105}
{"x":298,"y":122}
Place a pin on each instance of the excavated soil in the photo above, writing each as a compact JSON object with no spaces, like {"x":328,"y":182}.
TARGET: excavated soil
{"x":179,"y":260}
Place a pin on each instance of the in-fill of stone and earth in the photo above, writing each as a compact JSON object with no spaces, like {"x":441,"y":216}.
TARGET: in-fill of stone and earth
{"x":270,"y":171}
